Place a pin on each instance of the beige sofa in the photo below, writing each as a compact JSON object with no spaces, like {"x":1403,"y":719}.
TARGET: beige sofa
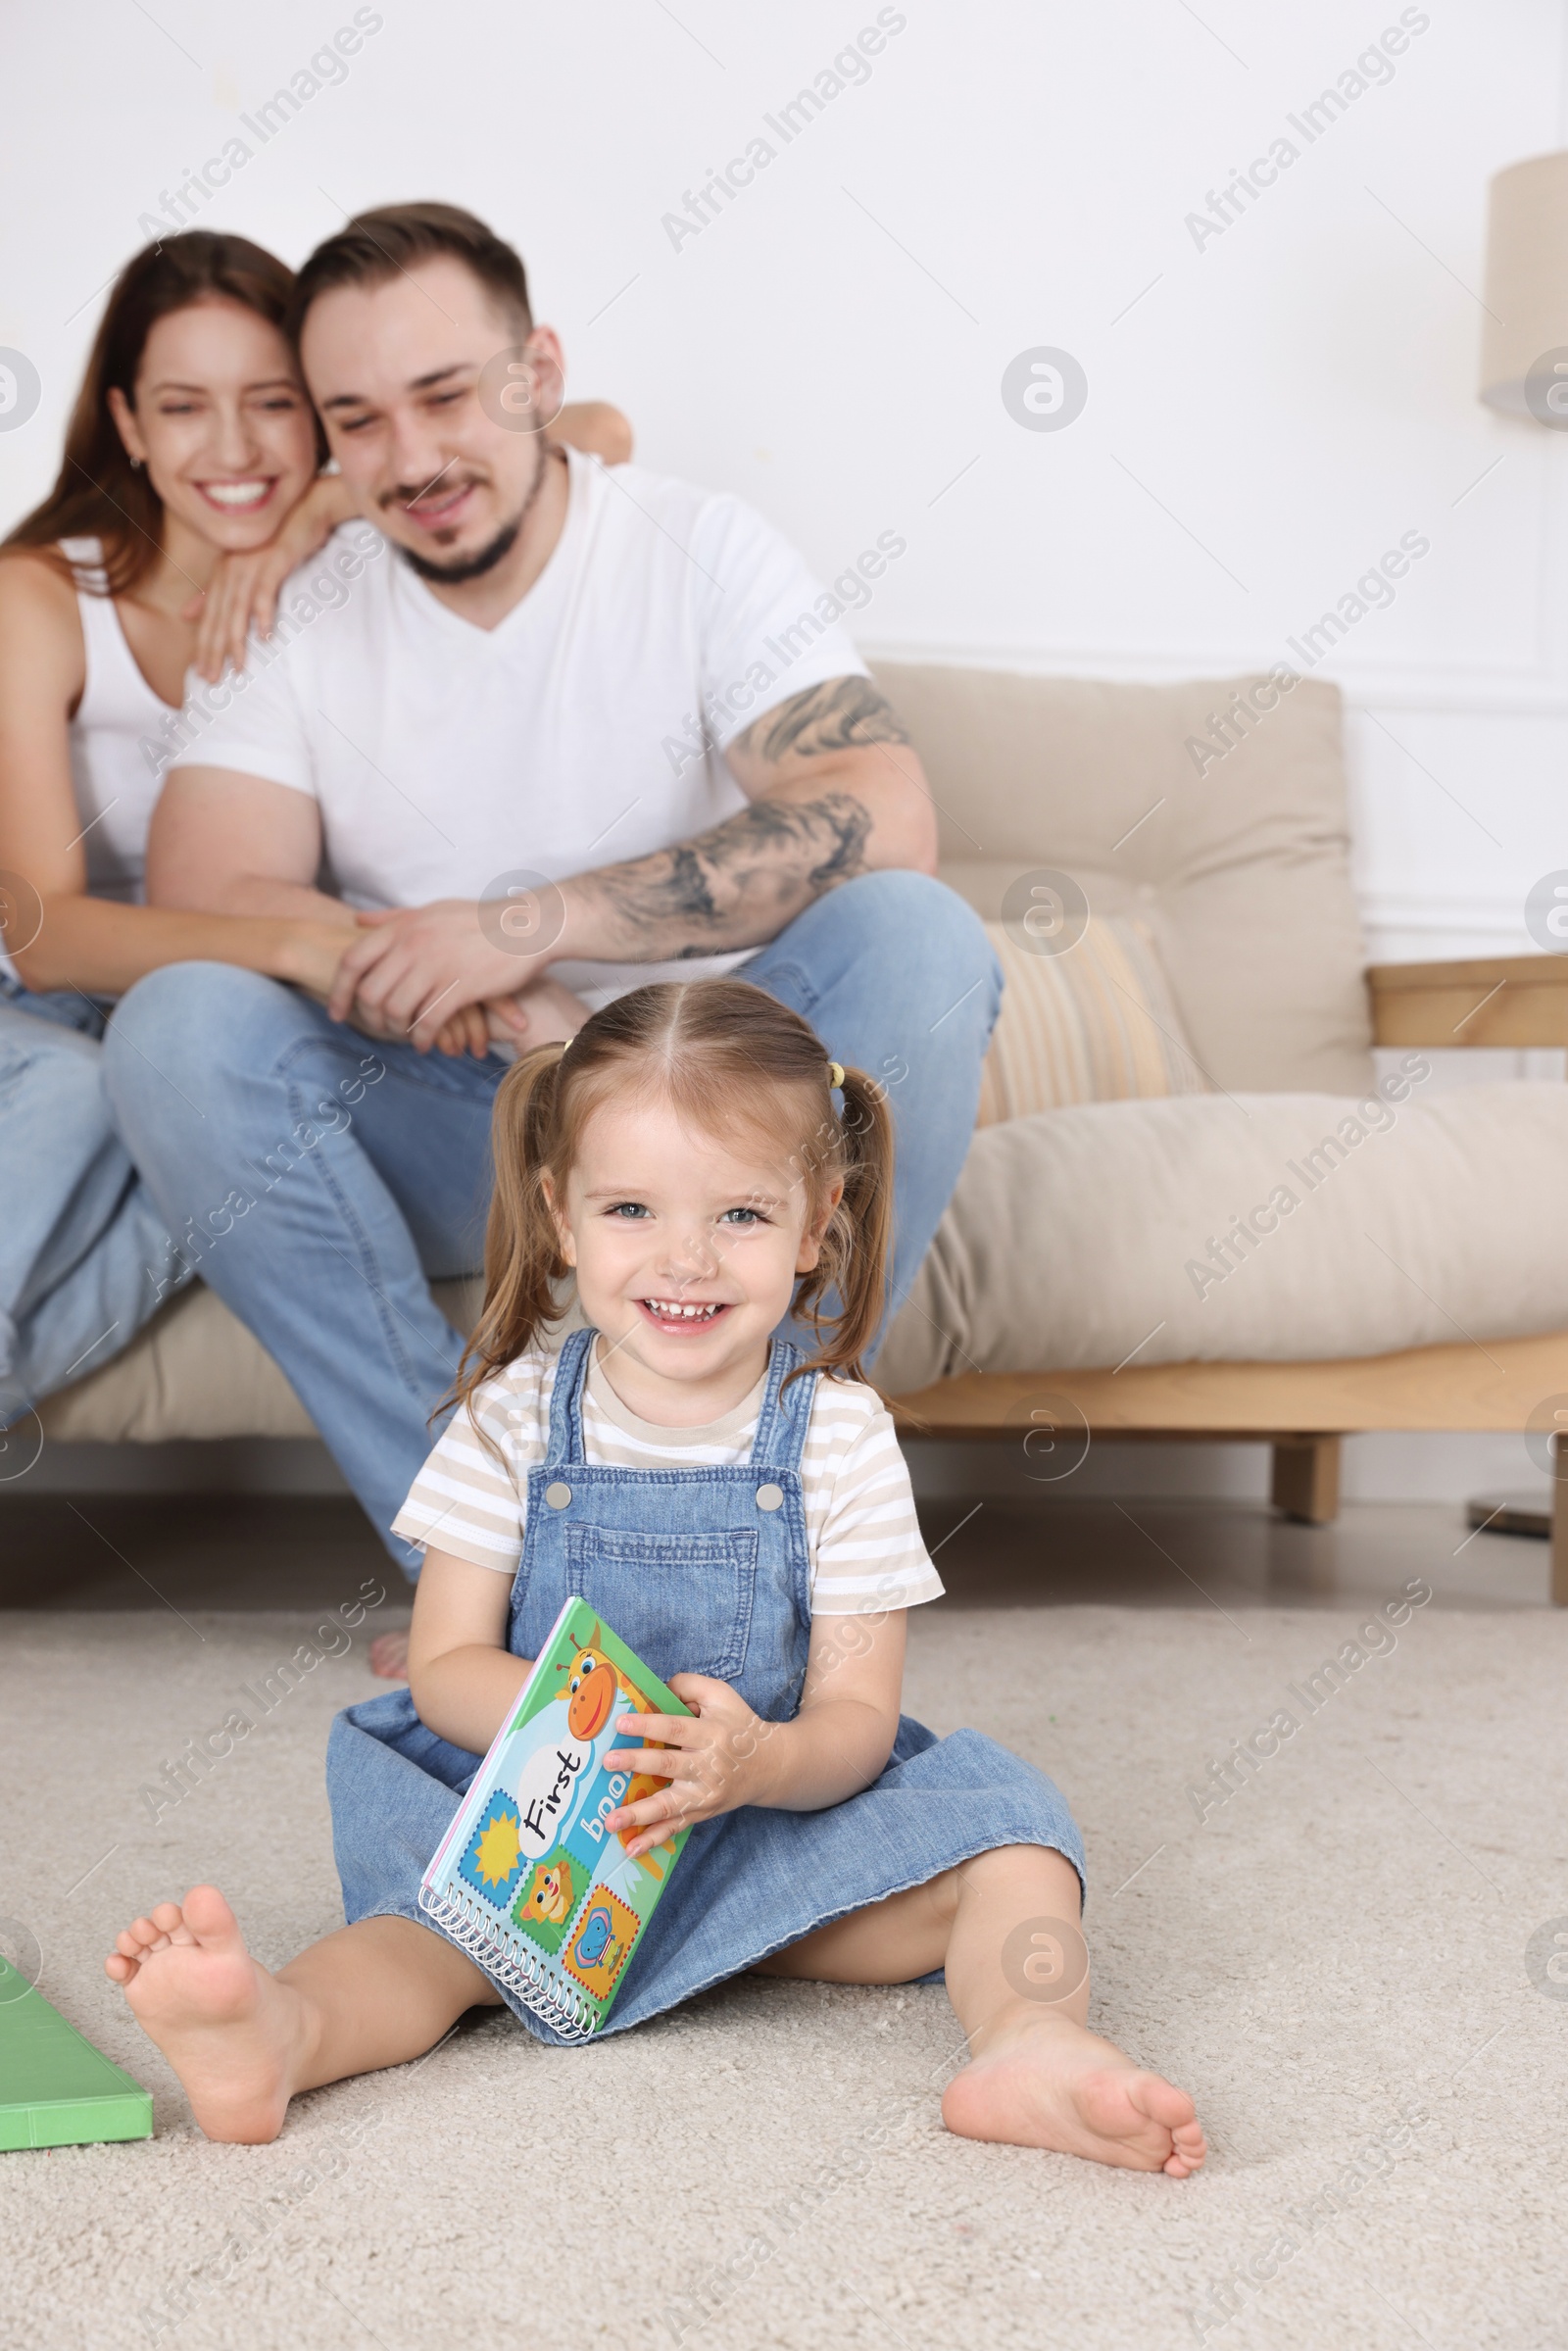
{"x":1424,"y":1287}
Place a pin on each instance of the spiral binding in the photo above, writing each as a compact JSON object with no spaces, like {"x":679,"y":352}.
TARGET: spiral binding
{"x":472,"y":1929}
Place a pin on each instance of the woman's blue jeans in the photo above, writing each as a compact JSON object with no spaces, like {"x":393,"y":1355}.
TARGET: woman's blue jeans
{"x":81,"y":1243}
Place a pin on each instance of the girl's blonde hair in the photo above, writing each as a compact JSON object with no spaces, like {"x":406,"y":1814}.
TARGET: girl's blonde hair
{"x":726,"y":1055}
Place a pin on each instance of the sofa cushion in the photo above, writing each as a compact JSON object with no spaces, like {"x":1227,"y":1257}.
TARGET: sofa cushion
{"x":197,"y":1371}
{"x":1241,"y":871}
{"x":1261,"y":1228}
{"x":1079,"y":1236}
{"x":1093,"y":1022}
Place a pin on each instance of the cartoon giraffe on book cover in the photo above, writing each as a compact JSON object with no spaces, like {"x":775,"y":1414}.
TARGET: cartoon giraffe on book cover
{"x":592,"y":1682}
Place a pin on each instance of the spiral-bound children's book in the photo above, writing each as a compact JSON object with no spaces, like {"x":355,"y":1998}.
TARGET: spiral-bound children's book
{"x":529,"y":1881}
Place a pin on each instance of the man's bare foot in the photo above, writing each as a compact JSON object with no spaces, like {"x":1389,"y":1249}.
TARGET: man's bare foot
{"x":1052,"y":2082}
{"x":230,"y":2030}
{"x":389,"y":1656}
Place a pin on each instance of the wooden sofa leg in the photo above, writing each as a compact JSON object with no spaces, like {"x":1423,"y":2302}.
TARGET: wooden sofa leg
{"x":1306,"y":1479}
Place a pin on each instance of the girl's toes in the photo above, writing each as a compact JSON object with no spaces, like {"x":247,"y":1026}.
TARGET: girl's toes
{"x":208,"y":1919}
{"x":1164,"y":2103}
{"x":1188,"y":2150}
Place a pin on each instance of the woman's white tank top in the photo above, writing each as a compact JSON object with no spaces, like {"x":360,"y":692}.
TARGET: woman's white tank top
{"x":120,"y":741}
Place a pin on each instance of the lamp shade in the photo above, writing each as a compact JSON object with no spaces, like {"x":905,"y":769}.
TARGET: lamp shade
{"x":1526,"y":327}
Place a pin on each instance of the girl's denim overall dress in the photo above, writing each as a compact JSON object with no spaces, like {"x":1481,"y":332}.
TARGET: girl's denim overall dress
{"x":700,"y":1570}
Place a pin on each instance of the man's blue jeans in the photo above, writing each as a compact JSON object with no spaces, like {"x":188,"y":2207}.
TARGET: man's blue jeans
{"x":318,"y":1180}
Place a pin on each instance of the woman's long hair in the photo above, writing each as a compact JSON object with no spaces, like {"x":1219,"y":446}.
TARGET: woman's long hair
{"x":728,"y":1056}
{"x":99,"y":494}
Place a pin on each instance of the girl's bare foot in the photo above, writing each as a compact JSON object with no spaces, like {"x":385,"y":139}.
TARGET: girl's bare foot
{"x":389,"y":1656}
{"x":233,"y":2032}
{"x":1048,"y":2081}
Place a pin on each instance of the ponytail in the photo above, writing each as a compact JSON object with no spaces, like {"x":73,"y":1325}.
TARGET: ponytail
{"x":856,"y":1242}
{"x":522,"y":1259}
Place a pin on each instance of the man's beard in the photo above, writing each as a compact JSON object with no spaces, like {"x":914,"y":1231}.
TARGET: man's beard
{"x":475,"y":567}
{"x":468,"y":567}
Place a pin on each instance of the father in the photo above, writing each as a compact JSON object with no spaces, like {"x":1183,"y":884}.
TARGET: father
{"x":580,"y":730}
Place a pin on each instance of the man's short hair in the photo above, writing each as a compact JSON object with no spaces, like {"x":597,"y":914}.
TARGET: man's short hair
{"x":376,"y":247}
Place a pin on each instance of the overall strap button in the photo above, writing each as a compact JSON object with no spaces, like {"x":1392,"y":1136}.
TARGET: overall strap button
{"x":557,"y":1495}
{"x":770,"y":1497}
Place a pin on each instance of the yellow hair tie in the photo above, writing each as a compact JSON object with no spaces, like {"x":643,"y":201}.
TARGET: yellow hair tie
{"x":835,"y":1073}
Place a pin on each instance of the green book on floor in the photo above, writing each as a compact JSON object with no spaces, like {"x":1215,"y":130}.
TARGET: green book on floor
{"x":56,"y":2089}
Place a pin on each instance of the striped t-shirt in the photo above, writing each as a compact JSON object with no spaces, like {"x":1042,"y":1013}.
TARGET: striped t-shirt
{"x":863,"y":1535}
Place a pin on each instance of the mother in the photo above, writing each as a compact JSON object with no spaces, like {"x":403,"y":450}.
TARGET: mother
{"x":190,"y":489}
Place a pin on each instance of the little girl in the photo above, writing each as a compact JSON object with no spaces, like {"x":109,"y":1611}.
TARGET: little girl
{"x":740,"y":1514}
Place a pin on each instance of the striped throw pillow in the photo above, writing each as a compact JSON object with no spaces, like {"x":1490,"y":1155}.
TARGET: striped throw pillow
{"x":1097,"y":1025}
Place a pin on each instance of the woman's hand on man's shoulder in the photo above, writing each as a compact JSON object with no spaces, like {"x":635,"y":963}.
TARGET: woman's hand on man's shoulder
{"x":242,"y":593}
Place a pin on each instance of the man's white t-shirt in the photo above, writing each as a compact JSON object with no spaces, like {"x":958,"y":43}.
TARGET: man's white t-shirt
{"x":586,"y":728}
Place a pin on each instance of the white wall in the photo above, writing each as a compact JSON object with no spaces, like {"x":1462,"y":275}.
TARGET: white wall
{"x":1266,"y":412}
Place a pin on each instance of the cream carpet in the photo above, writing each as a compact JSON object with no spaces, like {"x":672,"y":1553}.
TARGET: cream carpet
{"x":1337,"y":1962}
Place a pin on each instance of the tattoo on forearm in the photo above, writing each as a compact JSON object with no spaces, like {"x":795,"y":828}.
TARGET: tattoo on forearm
{"x":739,"y":882}
{"x":847,"y":713}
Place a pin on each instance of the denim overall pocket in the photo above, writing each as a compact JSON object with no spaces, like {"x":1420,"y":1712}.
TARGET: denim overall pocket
{"x":682,"y":1601}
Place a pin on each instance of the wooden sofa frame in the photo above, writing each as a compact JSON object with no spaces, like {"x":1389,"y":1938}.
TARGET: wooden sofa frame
{"x":1303,"y":1409}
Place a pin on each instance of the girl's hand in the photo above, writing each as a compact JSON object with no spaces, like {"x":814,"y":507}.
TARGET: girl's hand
{"x":243,"y":591}
{"x":714,"y":1759}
